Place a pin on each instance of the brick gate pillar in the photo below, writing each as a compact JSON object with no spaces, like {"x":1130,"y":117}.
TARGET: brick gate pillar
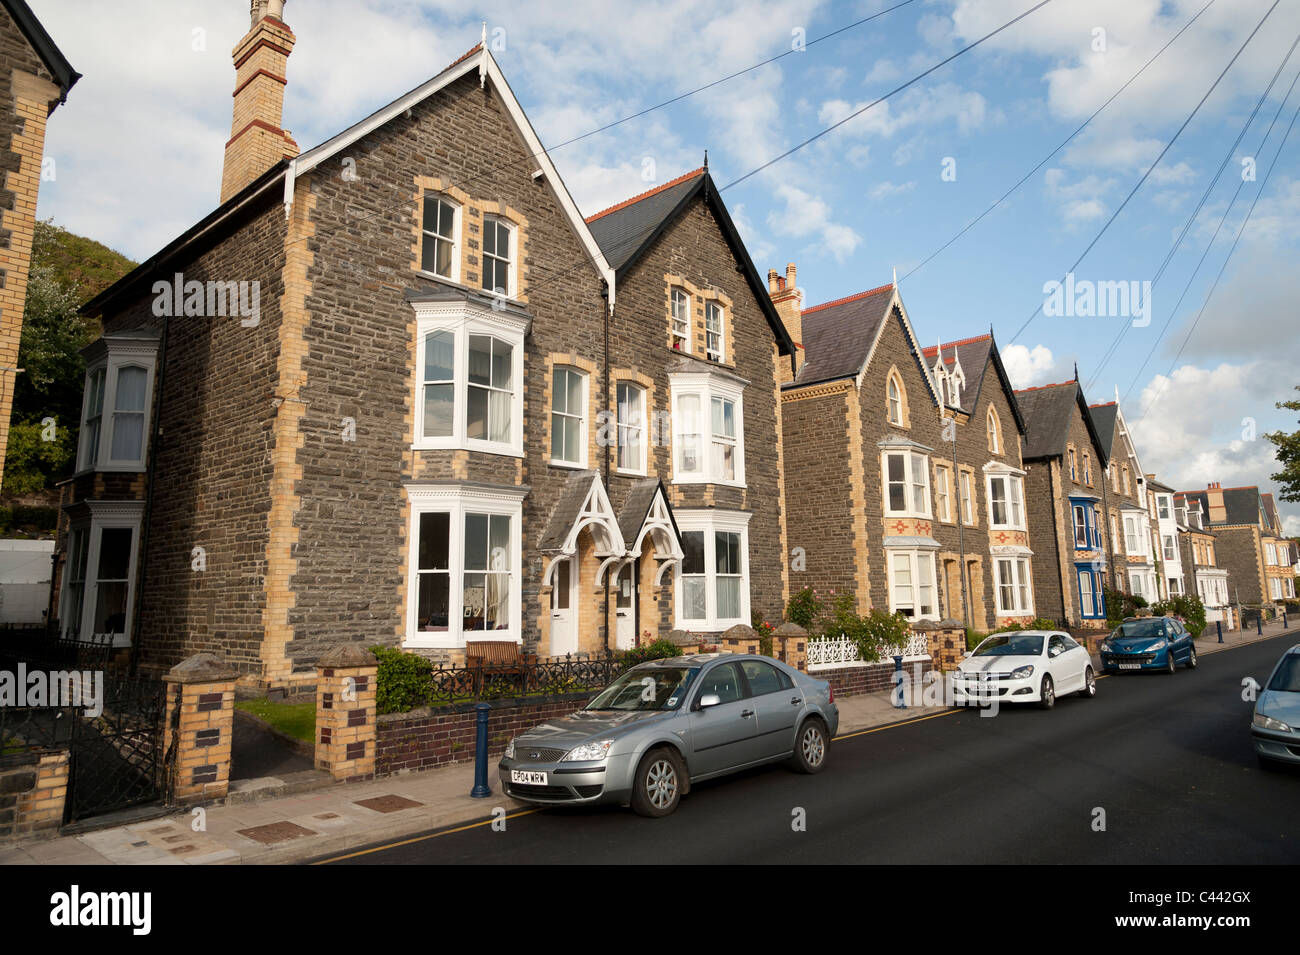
{"x":203,"y":688}
{"x":345,"y":713}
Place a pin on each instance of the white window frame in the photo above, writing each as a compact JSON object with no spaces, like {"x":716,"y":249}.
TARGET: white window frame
{"x":457,"y":500}
{"x":636,"y":424}
{"x":1133,"y":537}
{"x":465,"y":319}
{"x":710,"y":522}
{"x":580,"y":417}
{"x":718,"y":354}
{"x":894,"y":400}
{"x":915,"y":559}
{"x":1022,"y":592}
{"x":511,"y":260}
{"x":1014,"y":500}
{"x":104,"y":515}
{"x":994,"y":427}
{"x":943,"y":493}
{"x":915,"y":461}
{"x":1169,"y":548}
{"x":111,"y":355}
{"x":426,"y":234}
{"x":966,"y":497}
{"x":707,"y":387}
{"x":681,"y":339}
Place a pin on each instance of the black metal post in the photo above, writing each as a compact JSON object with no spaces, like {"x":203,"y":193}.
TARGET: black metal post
{"x":1218,"y":625}
{"x":901,"y":701}
{"x":481,"y":789}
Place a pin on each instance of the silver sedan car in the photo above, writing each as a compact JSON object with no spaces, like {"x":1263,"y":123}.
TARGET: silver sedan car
{"x":666,"y":724}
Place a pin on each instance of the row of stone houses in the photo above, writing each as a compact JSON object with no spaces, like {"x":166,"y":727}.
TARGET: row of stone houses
{"x":398,"y":390}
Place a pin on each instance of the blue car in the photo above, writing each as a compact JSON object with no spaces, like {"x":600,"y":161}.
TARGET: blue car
{"x":1276,"y":724}
{"x":1148,"y":643}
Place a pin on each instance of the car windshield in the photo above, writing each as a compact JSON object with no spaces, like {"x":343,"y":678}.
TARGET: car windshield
{"x":1287,"y":677}
{"x":1011,"y":645}
{"x":646,"y":688}
{"x":1140,"y":628}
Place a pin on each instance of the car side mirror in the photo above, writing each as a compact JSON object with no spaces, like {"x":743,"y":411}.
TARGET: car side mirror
{"x":709,"y":699}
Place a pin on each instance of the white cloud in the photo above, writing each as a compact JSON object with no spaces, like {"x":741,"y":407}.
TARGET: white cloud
{"x":807,"y":215}
{"x":1027,"y":367}
{"x":887,"y":189}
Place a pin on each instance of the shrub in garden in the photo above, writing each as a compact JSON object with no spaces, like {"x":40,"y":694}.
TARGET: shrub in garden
{"x":658,"y":650}
{"x":404,"y":681}
{"x":1187,"y":606}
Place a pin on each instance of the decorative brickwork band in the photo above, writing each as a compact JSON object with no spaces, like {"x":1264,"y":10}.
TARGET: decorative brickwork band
{"x":345,"y":713}
{"x":200,"y":718}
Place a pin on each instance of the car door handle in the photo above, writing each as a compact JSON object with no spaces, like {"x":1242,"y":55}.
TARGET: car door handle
{"x":796,"y":701}
{"x":746,"y":714}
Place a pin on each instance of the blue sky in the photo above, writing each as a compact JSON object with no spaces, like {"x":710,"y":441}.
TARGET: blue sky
{"x":138,"y":151}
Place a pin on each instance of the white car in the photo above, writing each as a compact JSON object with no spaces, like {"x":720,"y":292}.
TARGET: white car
{"x":1025,"y":666}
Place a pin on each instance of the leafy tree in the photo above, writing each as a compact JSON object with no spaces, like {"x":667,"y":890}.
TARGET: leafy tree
{"x":1288,"y":455}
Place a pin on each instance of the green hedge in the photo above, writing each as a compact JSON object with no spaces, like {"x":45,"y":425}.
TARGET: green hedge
{"x":403,"y":681}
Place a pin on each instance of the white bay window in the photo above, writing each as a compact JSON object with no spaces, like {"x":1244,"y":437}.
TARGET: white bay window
{"x":713,"y":577}
{"x":708,"y":429}
{"x":1006,"y":499}
{"x":99,"y":574}
{"x":906,"y":475}
{"x":1012,"y":586}
{"x":469,"y":375}
{"x":463,"y":564}
{"x":911,"y":584}
{"x":116,"y":406}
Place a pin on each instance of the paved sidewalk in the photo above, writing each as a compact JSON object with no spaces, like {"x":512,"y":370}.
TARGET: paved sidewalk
{"x":344,"y":817}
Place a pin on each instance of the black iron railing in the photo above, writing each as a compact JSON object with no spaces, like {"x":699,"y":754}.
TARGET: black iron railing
{"x":550,"y":676}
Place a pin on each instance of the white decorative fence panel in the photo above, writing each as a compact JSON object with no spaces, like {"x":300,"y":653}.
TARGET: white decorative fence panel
{"x":824,"y":654}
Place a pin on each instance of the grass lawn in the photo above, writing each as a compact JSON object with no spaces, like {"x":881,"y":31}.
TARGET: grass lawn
{"x":293,"y":719}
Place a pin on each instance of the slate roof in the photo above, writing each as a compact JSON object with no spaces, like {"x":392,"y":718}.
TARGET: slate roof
{"x":1104,"y":416}
{"x":838,"y":335}
{"x":622,"y":229}
{"x":1047,"y":410}
{"x":632,"y":515}
{"x":1242,"y":505}
{"x":64,"y":75}
{"x":1154,"y":485}
{"x":568,"y":508}
{"x":1270,"y":510}
{"x":625,"y":231}
{"x":975,"y":355}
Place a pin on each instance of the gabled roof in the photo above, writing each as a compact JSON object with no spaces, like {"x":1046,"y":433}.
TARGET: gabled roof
{"x":624,"y":230}
{"x":1106,"y":416}
{"x":1047,"y":410}
{"x":477,"y":59}
{"x":975,"y":355}
{"x":64,"y":75}
{"x":838,"y":335}
{"x":627,"y":230}
{"x":1270,"y":510}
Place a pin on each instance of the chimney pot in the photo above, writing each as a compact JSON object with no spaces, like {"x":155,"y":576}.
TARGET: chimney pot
{"x":790,"y":273}
{"x":771,"y":280}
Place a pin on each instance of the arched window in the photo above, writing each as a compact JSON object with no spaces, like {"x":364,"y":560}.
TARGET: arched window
{"x":1087,"y":469}
{"x":995,"y":432}
{"x":897,"y":400}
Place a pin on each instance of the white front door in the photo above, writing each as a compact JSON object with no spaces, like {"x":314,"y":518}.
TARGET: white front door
{"x":625,"y":606}
{"x":564,"y":594}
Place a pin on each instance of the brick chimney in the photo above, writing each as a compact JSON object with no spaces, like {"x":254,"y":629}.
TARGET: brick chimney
{"x":788,"y":300}
{"x":257,"y":142}
{"x":1214,"y":497}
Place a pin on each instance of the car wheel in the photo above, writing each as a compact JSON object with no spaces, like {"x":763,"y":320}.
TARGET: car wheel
{"x":1191,"y":658}
{"x":811,"y":747}
{"x":1047,"y":694}
{"x":1171,"y":665}
{"x":657,"y":789}
{"x":1089,"y":684}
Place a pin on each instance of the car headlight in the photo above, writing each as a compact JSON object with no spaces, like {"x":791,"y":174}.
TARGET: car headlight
{"x":1268,"y":723}
{"x":588,"y":751}
{"x":1022,"y":673}
{"x":1159,"y":644}
{"x":510,"y":750}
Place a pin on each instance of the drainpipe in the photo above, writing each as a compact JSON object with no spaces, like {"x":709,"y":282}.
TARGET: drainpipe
{"x":607,"y":310}
{"x":961,"y":525}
